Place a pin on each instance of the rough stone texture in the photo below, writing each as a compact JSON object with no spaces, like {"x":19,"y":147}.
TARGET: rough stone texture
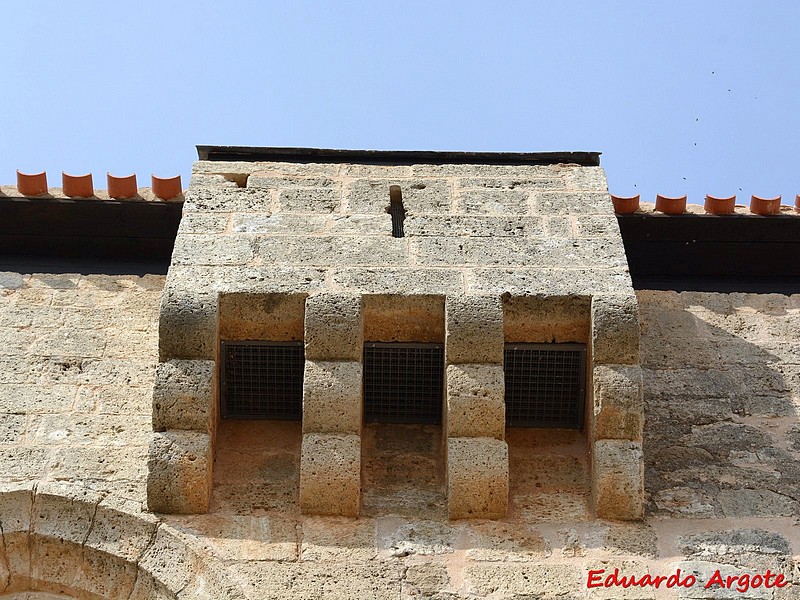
{"x":184,"y":395}
{"x":334,"y":327}
{"x":330,"y":474}
{"x":179,"y":466}
{"x":332,"y":400}
{"x":475,"y":401}
{"x":617,"y":479}
{"x":473,"y":330}
{"x":274,"y":317}
{"x":618,"y":405}
{"x":615,"y":329}
{"x":477,"y":478}
{"x":546,"y":319}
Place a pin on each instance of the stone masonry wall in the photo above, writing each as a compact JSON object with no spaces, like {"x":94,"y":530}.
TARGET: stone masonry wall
{"x":721,"y":401}
{"x":266,"y":246}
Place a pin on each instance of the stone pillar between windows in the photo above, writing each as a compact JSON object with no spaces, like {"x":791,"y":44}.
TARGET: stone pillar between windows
{"x":474,"y":415}
{"x":330,"y":460}
{"x":617,"y":416}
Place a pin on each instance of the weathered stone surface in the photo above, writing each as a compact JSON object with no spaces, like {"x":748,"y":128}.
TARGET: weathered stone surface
{"x":179,"y":479}
{"x":334,"y":327}
{"x":523,"y":580}
{"x":546,"y":319}
{"x":472,"y":226}
{"x":410,"y":280}
{"x":332,"y":400}
{"x":415,"y":318}
{"x":473,"y":330}
{"x":475,"y":401}
{"x":618,"y":405}
{"x":183,"y":395}
{"x":477,"y":478}
{"x":275,"y":317}
{"x":330,"y":474}
{"x":309,"y":200}
{"x":213,"y":250}
{"x":420,"y":196}
{"x":203,"y":223}
{"x":615,"y":329}
{"x":546,"y":281}
{"x":279,"y":223}
{"x":327,"y":251}
{"x":618,"y":480}
{"x":493,"y":202}
{"x":227,"y":200}
{"x":554,"y":203}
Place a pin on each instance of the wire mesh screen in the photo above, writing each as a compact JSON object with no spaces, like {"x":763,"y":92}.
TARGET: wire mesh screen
{"x":403,"y":383}
{"x":262,"y":380}
{"x":545,"y":385}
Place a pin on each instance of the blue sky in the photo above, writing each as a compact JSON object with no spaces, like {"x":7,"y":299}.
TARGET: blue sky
{"x":680,"y":97}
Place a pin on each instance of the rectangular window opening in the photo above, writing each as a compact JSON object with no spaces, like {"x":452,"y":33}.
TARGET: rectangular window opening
{"x":545,"y":385}
{"x":262,"y":380}
{"x":403,"y":383}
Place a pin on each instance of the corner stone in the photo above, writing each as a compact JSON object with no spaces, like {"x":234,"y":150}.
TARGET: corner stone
{"x":179,"y":478}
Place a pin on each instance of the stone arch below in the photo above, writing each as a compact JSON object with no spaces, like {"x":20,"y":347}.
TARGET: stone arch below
{"x":65,"y":542}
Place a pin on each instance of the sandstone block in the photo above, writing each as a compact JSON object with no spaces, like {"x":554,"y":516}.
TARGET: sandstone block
{"x":546,"y":318}
{"x":477,"y":478}
{"x":415,"y":318}
{"x":277,"y":317}
{"x":475,"y":401}
{"x":330,"y":474}
{"x":342,"y":250}
{"x":420,"y":196}
{"x":179,"y":477}
{"x":412,"y":280}
{"x":618,"y":404}
{"x":493,"y":202}
{"x":586,"y":178}
{"x":309,"y":200}
{"x":473,"y":330}
{"x":512,"y":183}
{"x":618,"y":480}
{"x":183,"y":395}
{"x":334,"y":327}
{"x":615,"y":329}
{"x":473,"y":226}
{"x":227,"y":199}
{"x":547,"y":281}
{"x":332,"y":400}
{"x":202,"y":223}
{"x":279,"y":223}
{"x":213,"y":250}
{"x":187,"y":325}
{"x":581,"y":202}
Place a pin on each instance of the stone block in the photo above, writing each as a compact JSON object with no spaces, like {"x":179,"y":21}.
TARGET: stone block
{"x":415,"y":318}
{"x":121,"y":528}
{"x":332,"y":397}
{"x":546,"y":319}
{"x":279,"y":223}
{"x":64,"y":511}
{"x":618,"y":480}
{"x":380,"y":225}
{"x":473,"y":170}
{"x":406,"y":281}
{"x":330,"y":474}
{"x":179,"y":477}
{"x":202,"y":223}
{"x":477,"y":478}
{"x":511,"y":183}
{"x":309,"y":200}
{"x":475,"y":401}
{"x":326,"y":251}
{"x":559,"y":226}
{"x":275,"y":317}
{"x":213,"y":250}
{"x":615,"y":329}
{"x":597,"y":226}
{"x":618,"y":404}
{"x":473,"y":330}
{"x":578,"y":203}
{"x":420,"y":196}
{"x":273,"y":180}
{"x":187,"y":325}
{"x":473,"y":226}
{"x":183,"y":395}
{"x":493,"y":202}
{"x":546,"y":281}
{"x":227,"y":199}
{"x":334,"y":328}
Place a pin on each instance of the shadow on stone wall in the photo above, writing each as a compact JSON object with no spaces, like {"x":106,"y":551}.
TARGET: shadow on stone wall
{"x":721,"y":383}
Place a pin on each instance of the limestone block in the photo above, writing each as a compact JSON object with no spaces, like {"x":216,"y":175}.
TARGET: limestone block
{"x":213,"y":250}
{"x":309,"y":200}
{"x":121,"y":528}
{"x":330,"y":474}
{"x":358,"y":224}
{"x":618,"y":404}
{"x":271,"y":180}
{"x":202,"y":223}
{"x":415,"y":318}
{"x":420,"y":196}
{"x":410,"y":280}
{"x":16,"y":500}
{"x":475,"y":401}
{"x":586,"y":178}
{"x":279,"y":223}
{"x":618,"y":480}
{"x":64,"y":511}
{"x":473,"y":330}
{"x":615,"y":329}
{"x":559,"y":226}
{"x":332,"y":397}
{"x":562,"y":203}
{"x":179,"y":477}
{"x":334,"y":327}
{"x":493,"y":202}
{"x":325,"y":251}
{"x":473,"y":226}
{"x":233,"y":199}
{"x":275,"y":317}
{"x":597,"y":226}
{"x":512,"y":183}
{"x":546,"y":319}
{"x":547,"y":281}
{"x":477,"y":478}
{"x":187,"y":324}
{"x":473,"y":170}
{"x":183,"y":395}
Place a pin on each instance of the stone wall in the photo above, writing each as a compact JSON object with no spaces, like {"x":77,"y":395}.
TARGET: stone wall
{"x":721,"y":401}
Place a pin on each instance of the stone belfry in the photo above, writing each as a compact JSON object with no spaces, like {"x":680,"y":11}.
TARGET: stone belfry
{"x":479,"y":293}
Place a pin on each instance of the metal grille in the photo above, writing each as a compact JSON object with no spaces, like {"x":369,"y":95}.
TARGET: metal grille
{"x":545,"y":385}
{"x":262,"y":380}
{"x":403,"y":383}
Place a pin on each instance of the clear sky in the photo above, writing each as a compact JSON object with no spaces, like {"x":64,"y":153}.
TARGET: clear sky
{"x":680,"y":97}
